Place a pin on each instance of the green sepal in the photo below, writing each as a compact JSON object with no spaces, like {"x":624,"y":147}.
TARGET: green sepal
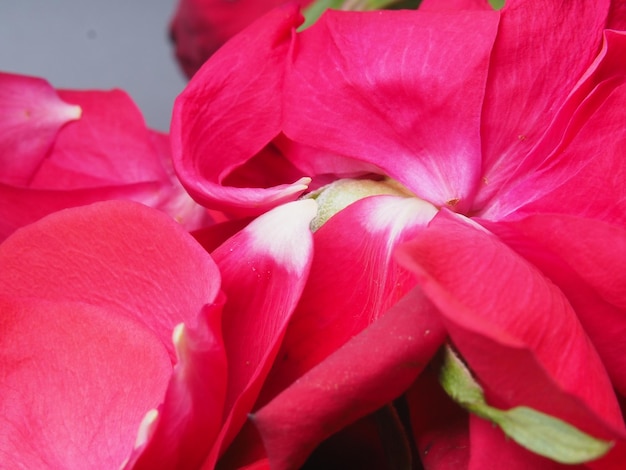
{"x":536,"y":431}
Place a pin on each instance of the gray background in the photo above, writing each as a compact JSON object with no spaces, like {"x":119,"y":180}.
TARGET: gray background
{"x":95,"y":44}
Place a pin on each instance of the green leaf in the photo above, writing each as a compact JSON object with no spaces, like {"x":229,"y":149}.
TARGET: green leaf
{"x":496,"y":4}
{"x":315,"y":10}
{"x":551,"y":437}
{"x":536,"y":431}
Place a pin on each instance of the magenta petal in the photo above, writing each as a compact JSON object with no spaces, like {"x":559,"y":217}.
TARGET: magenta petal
{"x":115,"y":255}
{"x":515,"y":328}
{"x":31,"y":115}
{"x":22,"y":206}
{"x":110,"y":145}
{"x":190,"y":417}
{"x":451,"y":5}
{"x":569,"y":181}
{"x":592,"y":257}
{"x":373,"y":368}
{"x":354,"y":280}
{"x":520,"y":103}
{"x":369,"y":86}
{"x":233,"y":108}
{"x":76,"y":382}
{"x":264,"y":269}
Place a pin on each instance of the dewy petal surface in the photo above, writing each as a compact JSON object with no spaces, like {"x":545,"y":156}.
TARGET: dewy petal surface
{"x":76,"y":380}
{"x":513,"y":326}
{"x":230,"y":111}
{"x":31,"y":115}
{"x":115,"y":255}
{"x":400,"y":90}
{"x":264,"y":269}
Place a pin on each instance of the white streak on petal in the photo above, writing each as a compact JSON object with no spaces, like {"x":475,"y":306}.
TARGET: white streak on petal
{"x":146,"y":428}
{"x":284,"y":234}
{"x":392,"y":214}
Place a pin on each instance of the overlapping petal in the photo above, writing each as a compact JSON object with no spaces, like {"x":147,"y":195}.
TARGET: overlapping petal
{"x":109,"y":145}
{"x":180,"y":435}
{"x":233,"y":109}
{"x":352,"y":281}
{"x":115,"y":255}
{"x":76,"y":380}
{"x":586,"y":261}
{"x":31,"y":115}
{"x":370,"y":86}
{"x":371,"y":369}
{"x":591,"y":123}
{"x":264,"y":269}
{"x":515,"y":328}
{"x":96,"y":148}
{"x":527,"y":86}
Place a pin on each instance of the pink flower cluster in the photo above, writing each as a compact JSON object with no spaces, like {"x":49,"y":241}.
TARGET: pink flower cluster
{"x":273,"y":284}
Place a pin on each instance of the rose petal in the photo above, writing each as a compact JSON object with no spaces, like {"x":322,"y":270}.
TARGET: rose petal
{"x":190,"y":416}
{"x":439,"y":426}
{"x":114,"y":255}
{"x":354,"y":280}
{"x":76,"y":381}
{"x":368,"y":85}
{"x":568,"y":181}
{"x":232,"y":108}
{"x":586,"y":260}
{"x":443,"y":5}
{"x":31,"y":116}
{"x":520,"y":104}
{"x":370,"y":370}
{"x":505,"y":316}
{"x":109,"y":145}
{"x":264,"y":268}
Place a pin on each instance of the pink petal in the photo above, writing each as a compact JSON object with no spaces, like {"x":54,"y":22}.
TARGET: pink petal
{"x":114,"y":255}
{"x":22,"y":206}
{"x":569,"y":181}
{"x":110,"y":145}
{"x":232,"y":108}
{"x":444,"y":5}
{"x":77,"y":379}
{"x":370,"y":86}
{"x":264,"y":268}
{"x":370,"y":370}
{"x":520,"y":103}
{"x":589,"y":268}
{"x":515,"y":329}
{"x":190,"y":417}
{"x":354,"y":280}
{"x":31,"y":115}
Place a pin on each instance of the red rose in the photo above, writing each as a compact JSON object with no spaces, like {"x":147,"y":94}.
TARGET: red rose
{"x":497,"y":139}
